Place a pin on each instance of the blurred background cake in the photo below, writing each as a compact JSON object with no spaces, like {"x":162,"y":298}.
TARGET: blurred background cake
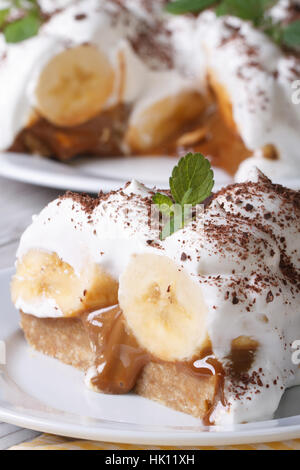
{"x":125,"y":77}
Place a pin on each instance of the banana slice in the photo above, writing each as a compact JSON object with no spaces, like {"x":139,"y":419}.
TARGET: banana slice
{"x":74,"y":86}
{"x":161,"y":121}
{"x":43,"y":275}
{"x":224,"y":101}
{"x":163,"y":307}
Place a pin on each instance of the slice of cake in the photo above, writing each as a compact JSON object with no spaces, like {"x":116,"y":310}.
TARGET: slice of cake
{"x":109,"y":77}
{"x":202,"y":321}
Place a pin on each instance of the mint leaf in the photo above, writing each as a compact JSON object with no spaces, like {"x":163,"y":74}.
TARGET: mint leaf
{"x":3,"y":15}
{"x":20,"y":20}
{"x":188,"y":6}
{"x":164,"y":202}
{"x":192,"y":180}
{"x":291,"y":34}
{"x":22,"y":29}
{"x":173,"y":222}
{"x":272,"y":29}
{"x":249,"y":10}
{"x":191,"y":183}
{"x":246,"y":10}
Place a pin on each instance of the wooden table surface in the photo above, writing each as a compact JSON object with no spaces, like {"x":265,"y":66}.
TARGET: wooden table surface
{"x":18,"y":202}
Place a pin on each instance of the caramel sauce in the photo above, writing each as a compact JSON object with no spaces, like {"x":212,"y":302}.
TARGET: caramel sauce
{"x":223,"y":144}
{"x":220,"y":142}
{"x":205,"y":364}
{"x":104,"y":134}
{"x":119,"y":358}
{"x":101,"y":136}
{"x":240,"y":359}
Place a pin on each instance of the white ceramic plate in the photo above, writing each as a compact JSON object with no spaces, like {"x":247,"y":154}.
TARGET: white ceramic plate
{"x":92,"y":174}
{"x":42,"y":394}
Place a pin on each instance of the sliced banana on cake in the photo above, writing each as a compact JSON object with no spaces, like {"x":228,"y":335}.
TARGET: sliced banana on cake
{"x":224,"y":101}
{"x":163,"y":307}
{"x":153,"y":125}
{"x":43,"y":278}
{"x":75,"y":86}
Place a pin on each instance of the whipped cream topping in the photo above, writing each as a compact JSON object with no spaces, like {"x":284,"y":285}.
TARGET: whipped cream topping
{"x":244,"y":254}
{"x":286,"y":10}
{"x":81,"y":230}
{"x":282,"y":171}
{"x":150,"y":76}
{"x":256,"y":75}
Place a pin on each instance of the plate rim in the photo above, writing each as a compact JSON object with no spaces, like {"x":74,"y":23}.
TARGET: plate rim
{"x":83,"y":181}
{"x":200,"y":439}
{"x":79,"y":183}
{"x":69,"y":175}
{"x":168,"y":435}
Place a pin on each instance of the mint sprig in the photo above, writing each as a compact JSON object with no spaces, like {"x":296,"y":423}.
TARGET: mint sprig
{"x":255,"y":11}
{"x":192,"y":180}
{"x":3,"y":16}
{"x":22,"y":29}
{"x":20,"y":20}
{"x":191,"y":183}
{"x":188,"y":6}
{"x":250,"y":10}
{"x":291,"y":34}
{"x":164,"y":202}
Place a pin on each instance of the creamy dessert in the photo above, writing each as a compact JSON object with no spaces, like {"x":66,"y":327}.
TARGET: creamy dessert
{"x":125,"y":77}
{"x":202,"y":321}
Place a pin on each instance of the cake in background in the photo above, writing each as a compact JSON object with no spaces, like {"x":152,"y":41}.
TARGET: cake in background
{"x":112,"y":77}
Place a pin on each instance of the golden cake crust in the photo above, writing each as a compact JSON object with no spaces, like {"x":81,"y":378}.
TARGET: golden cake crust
{"x":66,"y":339}
{"x":176,"y":389}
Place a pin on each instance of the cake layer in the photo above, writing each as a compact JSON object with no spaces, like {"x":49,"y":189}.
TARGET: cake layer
{"x":102,"y":135}
{"x":167,"y":385}
{"x":64,"y":339}
{"x":67,"y":340}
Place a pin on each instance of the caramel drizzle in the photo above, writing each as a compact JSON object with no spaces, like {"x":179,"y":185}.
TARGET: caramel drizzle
{"x":119,"y":359}
{"x":203,"y":365}
{"x":104,"y":134}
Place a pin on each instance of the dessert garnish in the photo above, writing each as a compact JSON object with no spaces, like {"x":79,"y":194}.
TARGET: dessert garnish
{"x":20,"y":20}
{"x":191,"y":183}
{"x":255,"y":11}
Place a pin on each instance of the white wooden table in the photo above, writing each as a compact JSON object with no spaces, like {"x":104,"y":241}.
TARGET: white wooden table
{"x":18,"y":202}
